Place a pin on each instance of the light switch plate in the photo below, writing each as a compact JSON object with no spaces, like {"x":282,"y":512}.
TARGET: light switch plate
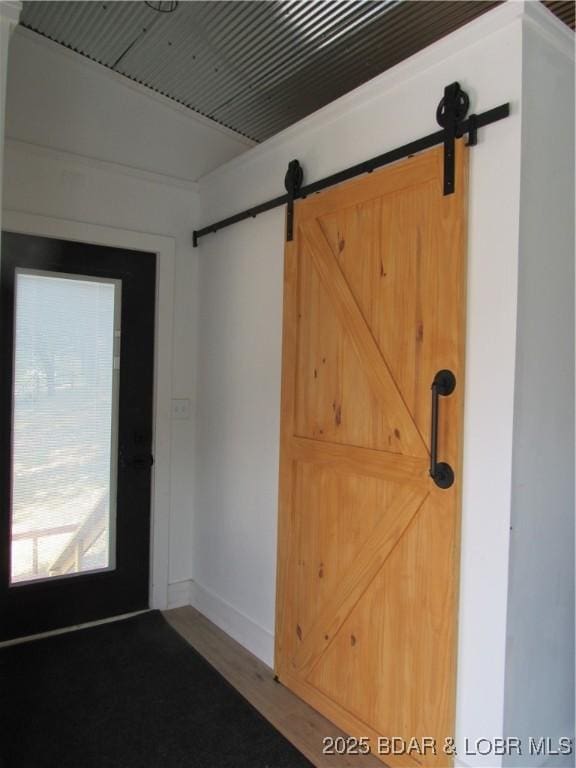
{"x":181,"y":409}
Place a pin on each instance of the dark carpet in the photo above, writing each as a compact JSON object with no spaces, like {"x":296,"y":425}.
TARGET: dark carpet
{"x":131,"y":694}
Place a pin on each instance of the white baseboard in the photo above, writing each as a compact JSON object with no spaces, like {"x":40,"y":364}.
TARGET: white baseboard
{"x":244,"y":630}
{"x":179,"y":594}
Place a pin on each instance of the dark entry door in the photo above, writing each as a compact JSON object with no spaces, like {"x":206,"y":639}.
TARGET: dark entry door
{"x":77,"y":345}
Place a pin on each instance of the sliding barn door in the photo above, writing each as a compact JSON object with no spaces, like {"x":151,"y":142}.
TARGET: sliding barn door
{"x":368,"y":543}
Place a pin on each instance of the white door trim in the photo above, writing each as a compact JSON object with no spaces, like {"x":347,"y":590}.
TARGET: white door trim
{"x":165,"y":250}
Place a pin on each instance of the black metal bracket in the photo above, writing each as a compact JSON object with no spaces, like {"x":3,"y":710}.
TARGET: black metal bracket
{"x":472,"y":131}
{"x":450,"y":114}
{"x":293,"y":182}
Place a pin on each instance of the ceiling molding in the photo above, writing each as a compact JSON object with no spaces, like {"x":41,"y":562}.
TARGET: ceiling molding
{"x":64,"y":156}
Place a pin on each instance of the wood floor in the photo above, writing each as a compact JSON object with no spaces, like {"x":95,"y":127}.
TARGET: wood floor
{"x":299,"y":723}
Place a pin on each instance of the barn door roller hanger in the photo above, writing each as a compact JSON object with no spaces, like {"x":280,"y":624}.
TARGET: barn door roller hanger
{"x":450,"y":115}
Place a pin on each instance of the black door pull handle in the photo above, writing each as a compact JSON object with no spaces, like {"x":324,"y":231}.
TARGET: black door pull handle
{"x":444,"y":384}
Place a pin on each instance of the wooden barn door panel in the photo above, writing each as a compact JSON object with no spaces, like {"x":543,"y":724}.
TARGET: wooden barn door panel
{"x":368,"y":544}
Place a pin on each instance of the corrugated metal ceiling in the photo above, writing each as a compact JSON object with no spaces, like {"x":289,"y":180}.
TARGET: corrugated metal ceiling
{"x":256,"y":67}
{"x":566,"y":11}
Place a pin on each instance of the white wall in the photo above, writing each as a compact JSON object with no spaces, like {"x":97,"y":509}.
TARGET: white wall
{"x":234,"y":530}
{"x":9,"y":15}
{"x":540,"y":654}
{"x":101,"y":153}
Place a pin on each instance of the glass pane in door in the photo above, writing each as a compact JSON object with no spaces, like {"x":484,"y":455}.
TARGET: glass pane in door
{"x":66,"y":378}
